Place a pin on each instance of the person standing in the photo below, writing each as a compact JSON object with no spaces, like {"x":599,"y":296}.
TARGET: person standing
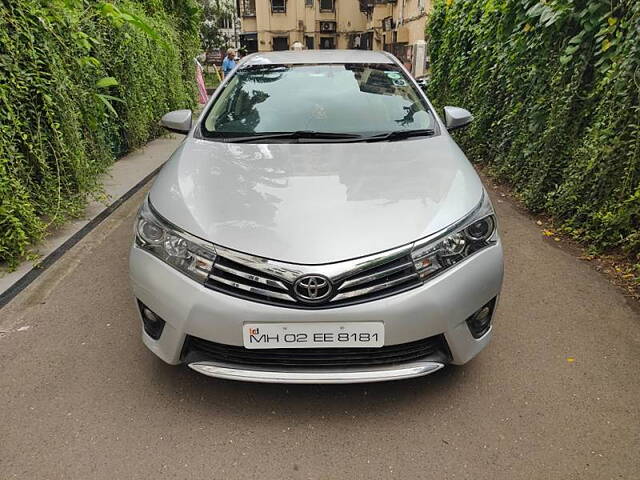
{"x":229,"y":62}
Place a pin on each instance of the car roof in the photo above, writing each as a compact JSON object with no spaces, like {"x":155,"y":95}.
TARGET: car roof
{"x":289,"y":57}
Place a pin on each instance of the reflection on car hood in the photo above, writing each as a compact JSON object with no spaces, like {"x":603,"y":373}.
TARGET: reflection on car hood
{"x":316,"y":203}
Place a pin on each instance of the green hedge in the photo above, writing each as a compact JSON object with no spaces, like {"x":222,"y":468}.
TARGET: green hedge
{"x":80,"y":86}
{"x":554,"y":86}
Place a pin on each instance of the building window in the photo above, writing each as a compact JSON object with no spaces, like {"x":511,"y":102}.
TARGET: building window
{"x":249,"y":41}
{"x":366,"y":41}
{"x":308,"y":41}
{"x":326,"y":5}
{"x":328,"y":27}
{"x":278,"y":6}
{"x":327,"y":43}
{"x":388,"y":24}
{"x":308,"y":3}
{"x":248,"y":8}
{"x":225,"y":21}
{"x":280,"y":43}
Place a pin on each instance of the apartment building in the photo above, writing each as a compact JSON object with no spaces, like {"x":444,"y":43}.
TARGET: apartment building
{"x":396,"y":26}
{"x":278,"y":24}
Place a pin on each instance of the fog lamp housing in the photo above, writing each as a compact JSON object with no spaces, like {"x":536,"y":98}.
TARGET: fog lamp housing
{"x":153,"y":325}
{"x":480,"y":322}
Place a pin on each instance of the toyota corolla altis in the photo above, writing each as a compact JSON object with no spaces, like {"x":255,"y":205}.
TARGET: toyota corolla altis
{"x":318,"y":224}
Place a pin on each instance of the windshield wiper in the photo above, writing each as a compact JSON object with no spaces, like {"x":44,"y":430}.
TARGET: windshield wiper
{"x":399,"y":135}
{"x":329,"y":136}
{"x":304,"y":134}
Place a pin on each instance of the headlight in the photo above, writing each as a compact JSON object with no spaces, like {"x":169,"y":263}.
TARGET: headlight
{"x":473,"y":233}
{"x":190,"y":255}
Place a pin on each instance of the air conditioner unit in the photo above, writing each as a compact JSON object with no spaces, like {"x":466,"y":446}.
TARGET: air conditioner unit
{"x":327,"y":27}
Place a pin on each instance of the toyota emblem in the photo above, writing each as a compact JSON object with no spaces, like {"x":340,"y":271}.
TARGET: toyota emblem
{"x":312,"y":288}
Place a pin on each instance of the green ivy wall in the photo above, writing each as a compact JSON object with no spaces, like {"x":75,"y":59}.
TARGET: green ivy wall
{"x":554,"y":87}
{"x":81,"y":83}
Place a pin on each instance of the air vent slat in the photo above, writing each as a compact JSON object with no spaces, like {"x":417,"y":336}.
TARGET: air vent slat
{"x":253,"y":290}
{"x":255,"y":278}
{"x":373,"y":276}
{"x":433,"y":347}
{"x":374,"y":288}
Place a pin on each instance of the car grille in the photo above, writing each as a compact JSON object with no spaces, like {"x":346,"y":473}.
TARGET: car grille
{"x":434,"y":348}
{"x":366,"y":281}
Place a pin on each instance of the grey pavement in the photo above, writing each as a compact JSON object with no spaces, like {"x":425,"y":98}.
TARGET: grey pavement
{"x":555,"y":396}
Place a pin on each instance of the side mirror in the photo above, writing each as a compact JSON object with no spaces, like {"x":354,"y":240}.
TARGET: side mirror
{"x":178,"y":121}
{"x":456,"y":117}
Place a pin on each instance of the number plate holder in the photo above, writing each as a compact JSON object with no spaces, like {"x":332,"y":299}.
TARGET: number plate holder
{"x":313,"y":335}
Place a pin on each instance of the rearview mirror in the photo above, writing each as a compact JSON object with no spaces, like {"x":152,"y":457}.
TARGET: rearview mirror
{"x":456,"y":117}
{"x":178,"y":121}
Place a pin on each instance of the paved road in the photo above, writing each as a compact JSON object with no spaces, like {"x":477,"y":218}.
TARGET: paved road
{"x":81,"y":398}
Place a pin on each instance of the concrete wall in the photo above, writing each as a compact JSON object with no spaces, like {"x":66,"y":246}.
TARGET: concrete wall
{"x":249,"y":24}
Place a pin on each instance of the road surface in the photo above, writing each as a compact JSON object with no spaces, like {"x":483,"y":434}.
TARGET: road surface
{"x":555,"y":396}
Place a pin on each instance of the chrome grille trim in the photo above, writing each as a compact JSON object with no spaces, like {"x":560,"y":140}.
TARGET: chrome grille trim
{"x":368,"y":278}
{"x":248,"y":288}
{"x":374,"y":288}
{"x":354,"y":281}
{"x":289,"y":272}
{"x":265,"y":281}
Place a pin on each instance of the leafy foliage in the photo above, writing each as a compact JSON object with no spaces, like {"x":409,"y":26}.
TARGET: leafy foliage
{"x":216,"y":12}
{"x":81,"y":83}
{"x":554,"y":86}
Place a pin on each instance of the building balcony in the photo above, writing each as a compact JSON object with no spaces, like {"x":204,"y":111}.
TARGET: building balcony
{"x":247,"y":8}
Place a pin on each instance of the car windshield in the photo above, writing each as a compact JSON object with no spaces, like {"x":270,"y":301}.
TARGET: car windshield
{"x":360,"y":99}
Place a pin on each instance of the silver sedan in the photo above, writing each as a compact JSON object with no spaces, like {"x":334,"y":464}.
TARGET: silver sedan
{"x":317,"y":225}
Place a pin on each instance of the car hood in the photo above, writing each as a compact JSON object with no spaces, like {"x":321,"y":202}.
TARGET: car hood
{"x":316,"y":203}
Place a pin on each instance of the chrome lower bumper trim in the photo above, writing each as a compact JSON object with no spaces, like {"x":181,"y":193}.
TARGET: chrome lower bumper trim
{"x":398,"y":372}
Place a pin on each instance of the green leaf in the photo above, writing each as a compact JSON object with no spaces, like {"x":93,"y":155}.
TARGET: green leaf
{"x":106,"y":82}
{"x":577,"y":39}
{"x":89,"y":61}
{"x":536,"y":10}
{"x":571,"y":50}
{"x":109,"y":9}
{"x":548,"y":16}
{"x":105,"y":99}
{"x":127,"y":18}
{"x":112,"y":98}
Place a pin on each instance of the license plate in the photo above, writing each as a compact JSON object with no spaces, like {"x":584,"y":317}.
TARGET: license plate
{"x":313,"y":335}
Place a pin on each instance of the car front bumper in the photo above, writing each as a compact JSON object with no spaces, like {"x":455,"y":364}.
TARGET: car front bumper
{"x":440,"y":307}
